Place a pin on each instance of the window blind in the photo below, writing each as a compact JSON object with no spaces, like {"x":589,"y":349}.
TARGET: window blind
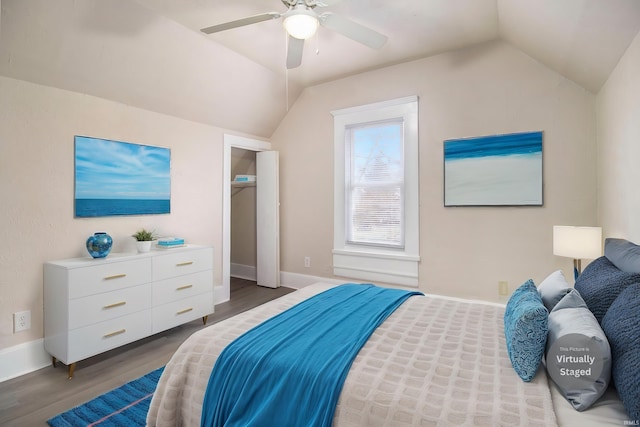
{"x":375,"y":184}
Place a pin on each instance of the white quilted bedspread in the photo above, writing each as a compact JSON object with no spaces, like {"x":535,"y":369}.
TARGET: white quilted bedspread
{"x":433,"y":362}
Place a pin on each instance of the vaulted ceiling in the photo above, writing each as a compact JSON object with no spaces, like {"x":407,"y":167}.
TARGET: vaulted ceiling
{"x":151,"y":54}
{"x":581,"y":39}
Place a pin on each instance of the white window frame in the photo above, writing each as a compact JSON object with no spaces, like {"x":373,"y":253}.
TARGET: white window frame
{"x":378,"y":264}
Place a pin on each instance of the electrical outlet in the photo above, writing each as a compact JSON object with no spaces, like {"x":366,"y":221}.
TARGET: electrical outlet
{"x":21,"y":321}
{"x":307,"y":261}
{"x":503,"y":288}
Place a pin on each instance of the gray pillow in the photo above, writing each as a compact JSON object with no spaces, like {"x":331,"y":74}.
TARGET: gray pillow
{"x":553,"y":289}
{"x":623,"y":254}
{"x":572,"y":326}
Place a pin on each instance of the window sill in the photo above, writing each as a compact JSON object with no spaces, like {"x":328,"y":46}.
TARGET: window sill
{"x":376,"y":266}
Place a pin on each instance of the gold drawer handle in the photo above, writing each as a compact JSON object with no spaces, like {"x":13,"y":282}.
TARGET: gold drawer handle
{"x":114,"y":333}
{"x":186,"y":310}
{"x":182,"y":288}
{"x":115,"y":304}
{"x":182,"y":264}
{"x":115,"y":276}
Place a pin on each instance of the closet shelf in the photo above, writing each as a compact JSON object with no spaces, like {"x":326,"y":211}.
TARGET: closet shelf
{"x":238,"y":186}
{"x":242,"y":184}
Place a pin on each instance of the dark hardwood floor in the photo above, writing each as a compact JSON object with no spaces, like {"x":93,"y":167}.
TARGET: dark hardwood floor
{"x":30,"y":400}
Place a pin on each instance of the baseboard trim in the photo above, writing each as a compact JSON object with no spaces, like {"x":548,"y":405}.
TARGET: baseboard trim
{"x":241,"y":271}
{"x":22,"y":359}
{"x":299,"y":281}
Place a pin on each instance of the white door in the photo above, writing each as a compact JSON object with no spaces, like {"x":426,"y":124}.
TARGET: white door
{"x":267,"y":219}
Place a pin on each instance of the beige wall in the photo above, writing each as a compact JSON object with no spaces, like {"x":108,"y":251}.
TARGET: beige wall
{"x":37,"y":126}
{"x":123,"y":51}
{"x":618,"y":110}
{"x":489,"y":89}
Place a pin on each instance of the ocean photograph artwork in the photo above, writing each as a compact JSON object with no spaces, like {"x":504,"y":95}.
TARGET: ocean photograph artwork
{"x":121,"y":178}
{"x":498,"y":170}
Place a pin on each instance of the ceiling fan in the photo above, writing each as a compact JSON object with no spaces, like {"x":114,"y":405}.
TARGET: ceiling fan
{"x":301,"y":21}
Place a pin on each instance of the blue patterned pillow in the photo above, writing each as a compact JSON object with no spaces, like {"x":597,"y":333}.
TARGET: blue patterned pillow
{"x":600,"y":284}
{"x":622,"y":328}
{"x":525,"y":329}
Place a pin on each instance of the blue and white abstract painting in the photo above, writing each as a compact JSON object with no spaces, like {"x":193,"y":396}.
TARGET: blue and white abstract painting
{"x":498,"y":170}
{"x":120,"y":178}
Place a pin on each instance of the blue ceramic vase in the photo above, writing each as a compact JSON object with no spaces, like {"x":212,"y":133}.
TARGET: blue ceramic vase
{"x":99,"y":245}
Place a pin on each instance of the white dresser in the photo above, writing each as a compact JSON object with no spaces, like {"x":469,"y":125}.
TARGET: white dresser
{"x":94,"y":305}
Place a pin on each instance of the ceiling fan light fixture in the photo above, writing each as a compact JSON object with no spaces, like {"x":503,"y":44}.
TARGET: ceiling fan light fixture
{"x":301,"y":24}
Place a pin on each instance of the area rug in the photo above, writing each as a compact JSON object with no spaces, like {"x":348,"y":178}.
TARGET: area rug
{"x":124,"y":406}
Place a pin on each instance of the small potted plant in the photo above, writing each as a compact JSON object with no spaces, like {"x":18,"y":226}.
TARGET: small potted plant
{"x":144,"y":239}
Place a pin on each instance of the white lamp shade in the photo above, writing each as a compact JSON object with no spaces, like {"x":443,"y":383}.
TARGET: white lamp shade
{"x":301,"y":24}
{"x":577,"y":242}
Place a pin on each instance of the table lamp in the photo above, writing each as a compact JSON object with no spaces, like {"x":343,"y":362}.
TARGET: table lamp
{"x":578,"y":243}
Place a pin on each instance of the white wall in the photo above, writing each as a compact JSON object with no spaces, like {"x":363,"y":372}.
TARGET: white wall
{"x":489,"y":89}
{"x":37,"y":128}
{"x":618,"y":110}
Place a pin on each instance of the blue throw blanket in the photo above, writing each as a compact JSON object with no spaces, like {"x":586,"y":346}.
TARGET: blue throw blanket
{"x":290,"y":369}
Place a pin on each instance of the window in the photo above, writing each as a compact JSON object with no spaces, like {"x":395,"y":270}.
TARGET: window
{"x":376,"y":232}
{"x":374,"y":182}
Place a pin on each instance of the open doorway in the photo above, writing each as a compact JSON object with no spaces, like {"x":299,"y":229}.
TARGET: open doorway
{"x":243,"y":259}
{"x":266,"y":213}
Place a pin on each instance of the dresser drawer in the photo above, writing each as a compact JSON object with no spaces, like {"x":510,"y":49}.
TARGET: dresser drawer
{"x":95,"y":305}
{"x":108,"y":277}
{"x":176,"y":288}
{"x":178,"y":312}
{"x":182,"y":262}
{"x":100,"y":307}
{"x":100,"y":337}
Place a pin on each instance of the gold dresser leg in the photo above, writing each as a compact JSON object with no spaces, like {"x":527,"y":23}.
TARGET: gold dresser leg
{"x":72,"y":368}
{"x":204,"y":319}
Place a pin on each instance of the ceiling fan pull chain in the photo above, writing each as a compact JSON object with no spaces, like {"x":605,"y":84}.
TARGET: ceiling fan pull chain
{"x":286,"y":91}
{"x":286,"y":72}
{"x":317,"y":43}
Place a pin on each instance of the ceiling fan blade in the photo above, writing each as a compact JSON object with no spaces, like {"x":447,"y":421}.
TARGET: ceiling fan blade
{"x":311,"y":3}
{"x":325,"y":3}
{"x":353,"y":30}
{"x":294,"y":52}
{"x":241,"y":22}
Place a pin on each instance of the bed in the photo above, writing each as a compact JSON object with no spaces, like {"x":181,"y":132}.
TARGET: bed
{"x":435,"y":361}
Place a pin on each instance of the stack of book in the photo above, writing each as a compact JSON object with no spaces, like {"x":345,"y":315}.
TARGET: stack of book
{"x":245,"y":178}
{"x":168,"y":243}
